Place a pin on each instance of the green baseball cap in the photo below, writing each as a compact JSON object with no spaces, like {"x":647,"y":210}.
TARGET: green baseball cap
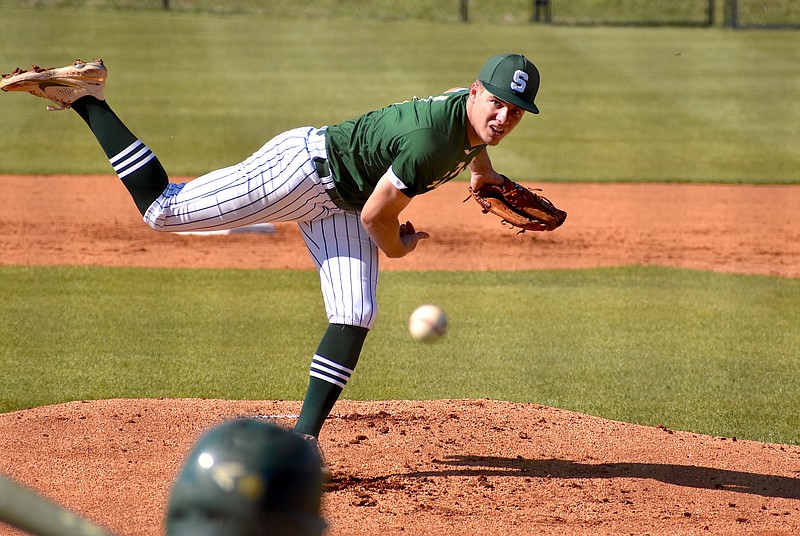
{"x":512,"y":78}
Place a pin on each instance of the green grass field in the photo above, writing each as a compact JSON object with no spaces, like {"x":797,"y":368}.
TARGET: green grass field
{"x":689,"y":350}
{"x":618,"y":104}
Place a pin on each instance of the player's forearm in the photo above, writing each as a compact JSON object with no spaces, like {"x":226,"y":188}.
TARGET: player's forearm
{"x":381,"y":218}
{"x":385,"y":232}
{"x":482,"y":171}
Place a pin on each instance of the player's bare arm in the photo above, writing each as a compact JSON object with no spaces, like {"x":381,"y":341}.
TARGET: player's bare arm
{"x":380,"y":218}
{"x":482,"y":172}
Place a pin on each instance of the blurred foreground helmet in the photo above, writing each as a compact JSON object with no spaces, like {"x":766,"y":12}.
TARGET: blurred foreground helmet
{"x":248,"y":478}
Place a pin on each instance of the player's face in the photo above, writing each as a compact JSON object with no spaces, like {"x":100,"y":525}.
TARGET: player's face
{"x":491,"y":118}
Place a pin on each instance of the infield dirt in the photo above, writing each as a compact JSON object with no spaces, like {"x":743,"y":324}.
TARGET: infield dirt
{"x":434,"y":467}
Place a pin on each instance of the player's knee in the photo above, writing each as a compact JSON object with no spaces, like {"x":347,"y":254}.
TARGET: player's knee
{"x":359,"y":321}
{"x":154,"y":222}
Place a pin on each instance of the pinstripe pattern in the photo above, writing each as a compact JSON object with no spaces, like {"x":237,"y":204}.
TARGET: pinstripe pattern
{"x":270,"y":186}
{"x":279,"y":183}
{"x":347,"y":260}
{"x":329,"y":371}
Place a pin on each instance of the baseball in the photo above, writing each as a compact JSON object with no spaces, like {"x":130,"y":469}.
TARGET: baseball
{"x":427,"y":323}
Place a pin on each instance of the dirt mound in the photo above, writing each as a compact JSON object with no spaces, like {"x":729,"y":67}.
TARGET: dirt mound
{"x":433,"y":468}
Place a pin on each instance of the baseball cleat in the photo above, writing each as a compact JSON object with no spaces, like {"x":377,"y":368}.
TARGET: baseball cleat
{"x":63,"y":86}
{"x":327,"y":475}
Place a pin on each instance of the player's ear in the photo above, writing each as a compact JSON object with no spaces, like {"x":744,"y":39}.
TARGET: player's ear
{"x":475,"y":89}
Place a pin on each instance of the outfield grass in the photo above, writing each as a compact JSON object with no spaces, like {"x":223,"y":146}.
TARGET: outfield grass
{"x":697,"y":351}
{"x":618,"y":104}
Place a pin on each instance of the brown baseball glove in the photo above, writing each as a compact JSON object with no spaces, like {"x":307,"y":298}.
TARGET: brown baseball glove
{"x":519,"y":206}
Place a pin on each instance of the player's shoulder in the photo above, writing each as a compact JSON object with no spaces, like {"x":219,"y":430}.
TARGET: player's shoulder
{"x":447,"y":96}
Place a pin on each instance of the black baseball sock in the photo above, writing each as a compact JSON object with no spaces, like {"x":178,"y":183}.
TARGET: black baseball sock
{"x":134,"y":162}
{"x":331,"y":368}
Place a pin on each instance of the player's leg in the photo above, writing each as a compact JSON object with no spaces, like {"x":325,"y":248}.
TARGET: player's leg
{"x":331,"y":368}
{"x":277,"y":183}
{"x":347,"y":260}
{"x":133,"y":161}
{"x":81,"y":86}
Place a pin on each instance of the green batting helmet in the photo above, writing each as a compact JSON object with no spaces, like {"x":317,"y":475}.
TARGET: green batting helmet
{"x":248,"y":478}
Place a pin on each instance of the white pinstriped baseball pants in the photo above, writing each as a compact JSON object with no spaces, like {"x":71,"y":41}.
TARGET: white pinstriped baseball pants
{"x":279,"y":182}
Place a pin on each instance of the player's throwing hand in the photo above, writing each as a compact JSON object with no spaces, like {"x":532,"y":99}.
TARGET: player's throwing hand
{"x":410,"y":237}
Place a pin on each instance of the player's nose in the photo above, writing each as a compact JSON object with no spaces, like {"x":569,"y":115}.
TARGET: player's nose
{"x":502,"y":116}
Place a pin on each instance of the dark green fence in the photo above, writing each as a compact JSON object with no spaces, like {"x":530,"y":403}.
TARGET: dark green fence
{"x":730,"y":13}
{"x":633,"y":12}
{"x":774,"y":14}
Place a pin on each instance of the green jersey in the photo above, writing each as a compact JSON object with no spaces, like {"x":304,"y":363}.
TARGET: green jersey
{"x":423,"y":141}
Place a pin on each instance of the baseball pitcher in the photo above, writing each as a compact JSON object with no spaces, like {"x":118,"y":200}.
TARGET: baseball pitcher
{"x":345,"y":185}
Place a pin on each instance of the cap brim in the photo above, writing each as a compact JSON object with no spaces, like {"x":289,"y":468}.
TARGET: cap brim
{"x":511,"y":98}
